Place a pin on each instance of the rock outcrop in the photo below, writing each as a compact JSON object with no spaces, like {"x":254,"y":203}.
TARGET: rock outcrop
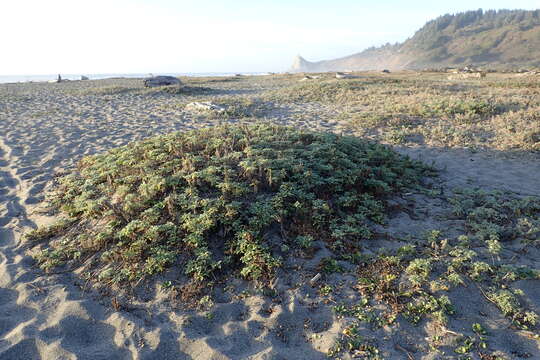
{"x":300,"y":64}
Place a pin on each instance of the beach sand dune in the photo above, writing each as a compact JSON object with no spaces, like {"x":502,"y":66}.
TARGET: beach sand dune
{"x":46,"y":128}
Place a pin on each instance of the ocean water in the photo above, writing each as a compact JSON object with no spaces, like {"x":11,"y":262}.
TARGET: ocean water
{"x":37,"y":78}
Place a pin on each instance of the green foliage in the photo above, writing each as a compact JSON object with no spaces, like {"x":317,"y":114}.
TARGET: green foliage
{"x":234,"y":108}
{"x":330,"y":265}
{"x":325,"y":92}
{"x":513,"y":273}
{"x":361,"y":311}
{"x":418,"y":270}
{"x":460,"y":257}
{"x":242,"y":107}
{"x":433,"y":237}
{"x":107,"y":90}
{"x":479,"y":269}
{"x":352,"y":342}
{"x":304,"y":241}
{"x":477,"y":328}
{"x":466,"y":345}
{"x":437,"y":307}
{"x":470,"y":108}
{"x":207,"y":199}
{"x":454,"y":278}
{"x":476,"y":35}
{"x":46,"y":232}
{"x":326,"y":290}
{"x":406,"y":250}
{"x":495,"y":217}
{"x":509,"y":305}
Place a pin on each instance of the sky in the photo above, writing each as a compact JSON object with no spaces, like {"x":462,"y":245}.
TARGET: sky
{"x":167,"y":36}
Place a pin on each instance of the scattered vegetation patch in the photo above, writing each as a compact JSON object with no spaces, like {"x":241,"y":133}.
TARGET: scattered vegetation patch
{"x":240,"y":107}
{"x":48,"y":231}
{"x":215,"y":79}
{"x":382,"y":279}
{"x":226,"y":108}
{"x":215,"y":200}
{"x":495,"y":217}
{"x":180,"y":90}
{"x":469,"y":108}
{"x":108,"y":90}
{"x":329,"y":91}
{"x":414,"y":283}
{"x":354,"y":343}
{"x":320,"y":91}
{"x":403,"y":109}
{"x":155,"y":91}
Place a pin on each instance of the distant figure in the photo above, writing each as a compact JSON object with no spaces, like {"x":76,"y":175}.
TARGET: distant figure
{"x":386,"y":71}
{"x":59,"y":79}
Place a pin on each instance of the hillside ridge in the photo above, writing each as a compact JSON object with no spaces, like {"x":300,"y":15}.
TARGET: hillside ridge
{"x":502,"y":39}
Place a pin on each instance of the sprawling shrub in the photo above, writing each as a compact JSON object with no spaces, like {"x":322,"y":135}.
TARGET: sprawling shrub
{"x":217,"y":199}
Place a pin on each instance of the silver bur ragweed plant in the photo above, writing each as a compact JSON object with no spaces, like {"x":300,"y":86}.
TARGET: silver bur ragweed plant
{"x":209,"y":200}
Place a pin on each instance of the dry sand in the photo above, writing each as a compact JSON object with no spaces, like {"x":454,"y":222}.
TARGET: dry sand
{"x":46,"y":128}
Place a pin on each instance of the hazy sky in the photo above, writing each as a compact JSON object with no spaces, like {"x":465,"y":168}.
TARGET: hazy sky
{"x":138,"y":36}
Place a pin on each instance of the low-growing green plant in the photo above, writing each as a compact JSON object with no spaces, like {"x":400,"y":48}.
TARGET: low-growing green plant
{"x":305,"y":241}
{"x":509,"y":305}
{"x":326,"y":290}
{"x":506,"y":273}
{"x":406,"y":250}
{"x":352,"y":342}
{"x":207,"y":199}
{"x":433,"y":236}
{"x":167,"y":284}
{"x":478,"y":329}
{"x":454,"y":278}
{"x":449,"y":107}
{"x":332,"y":91}
{"x":466,"y":345}
{"x":48,"y":231}
{"x":361,"y":311}
{"x":330,"y":265}
{"x":419,"y":270}
{"x":206,"y":302}
{"x":460,"y":257}
{"x":479,"y":269}
{"x":495,"y":217}
{"x":108,"y":90}
{"x":237,"y":108}
{"x":437,"y":307}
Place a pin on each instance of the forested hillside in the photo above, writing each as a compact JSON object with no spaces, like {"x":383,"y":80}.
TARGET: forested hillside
{"x":495,"y":39}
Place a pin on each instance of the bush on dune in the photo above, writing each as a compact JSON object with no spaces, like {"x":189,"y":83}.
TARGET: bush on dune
{"x":215,"y":200}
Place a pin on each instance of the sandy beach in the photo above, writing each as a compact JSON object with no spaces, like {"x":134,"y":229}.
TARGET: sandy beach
{"x":46,"y":128}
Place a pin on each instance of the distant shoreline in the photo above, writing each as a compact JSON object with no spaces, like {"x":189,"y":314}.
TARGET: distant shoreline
{"x":6,"y":79}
